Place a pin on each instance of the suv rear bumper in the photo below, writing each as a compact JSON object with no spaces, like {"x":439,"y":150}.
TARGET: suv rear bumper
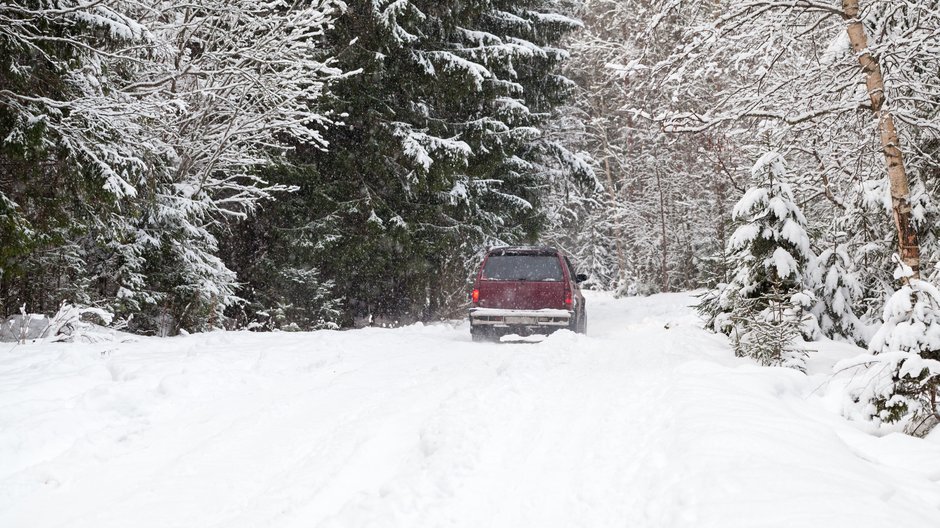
{"x":501,"y":318}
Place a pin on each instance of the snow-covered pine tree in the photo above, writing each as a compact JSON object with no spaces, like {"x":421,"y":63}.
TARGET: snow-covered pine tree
{"x":249,"y":75}
{"x":765,"y":306}
{"x":837,"y":292}
{"x":440,"y":153}
{"x":134,"y":133}
{"x":71,"y":148}
{"x":900,"y":379}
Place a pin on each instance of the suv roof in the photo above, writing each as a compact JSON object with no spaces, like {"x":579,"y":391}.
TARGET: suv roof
{"x":532,"y":250}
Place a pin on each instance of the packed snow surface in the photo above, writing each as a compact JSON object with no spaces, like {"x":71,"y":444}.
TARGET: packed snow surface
{"x":647,"y":421}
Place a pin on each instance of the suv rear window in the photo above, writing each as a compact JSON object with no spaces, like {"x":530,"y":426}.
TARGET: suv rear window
{"x":523,"y":268}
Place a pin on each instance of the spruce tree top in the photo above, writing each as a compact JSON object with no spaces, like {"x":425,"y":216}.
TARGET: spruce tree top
{"x":770,"y":242}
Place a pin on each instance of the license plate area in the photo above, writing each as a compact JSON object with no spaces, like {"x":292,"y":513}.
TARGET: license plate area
{"x":521,"y":320}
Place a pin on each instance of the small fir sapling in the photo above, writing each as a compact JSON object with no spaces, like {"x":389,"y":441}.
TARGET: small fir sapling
{"x":899,"y":378}
{"x":769,"y":335}
{"x":838,"y":290}
{"x":765,"y":306}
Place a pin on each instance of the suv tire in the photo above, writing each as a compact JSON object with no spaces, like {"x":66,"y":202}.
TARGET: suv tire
{"x":482,"y":335}
{"x":579,"y":325}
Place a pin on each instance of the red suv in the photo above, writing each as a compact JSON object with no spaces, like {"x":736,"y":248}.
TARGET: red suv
{"x":526,"y":290}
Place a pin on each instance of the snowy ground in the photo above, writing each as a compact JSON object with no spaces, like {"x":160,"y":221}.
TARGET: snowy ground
{"x":633,"y":425}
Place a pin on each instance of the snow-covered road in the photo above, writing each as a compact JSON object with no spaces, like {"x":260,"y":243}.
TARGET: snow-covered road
{"x":647,"y":421}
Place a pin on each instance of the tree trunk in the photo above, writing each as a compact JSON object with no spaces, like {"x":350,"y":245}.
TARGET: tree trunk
{"x":908,"y":245}
{"x":618,"y":234}
{"x":663,"y":268}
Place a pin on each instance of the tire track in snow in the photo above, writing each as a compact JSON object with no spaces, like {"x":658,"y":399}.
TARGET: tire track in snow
{"x":558,"y":436}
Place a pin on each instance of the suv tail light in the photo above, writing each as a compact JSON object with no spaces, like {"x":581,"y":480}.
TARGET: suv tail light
{"x":475,"y":296}
{"x":568,"y":301}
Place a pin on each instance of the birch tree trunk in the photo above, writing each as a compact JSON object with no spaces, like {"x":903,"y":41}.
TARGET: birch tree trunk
{"x":908,"y":245}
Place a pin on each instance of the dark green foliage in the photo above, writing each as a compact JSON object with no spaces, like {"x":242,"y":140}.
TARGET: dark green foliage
{"x":50,"y":202}
{"x":272,"y":252}
{"x":439,"y":155}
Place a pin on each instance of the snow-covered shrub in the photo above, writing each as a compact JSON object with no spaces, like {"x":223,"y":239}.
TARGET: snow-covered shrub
{"x":765,"y":306}
{"x":69,"y":323}
{"x":901,"y":375}
{"x":23,"y":327}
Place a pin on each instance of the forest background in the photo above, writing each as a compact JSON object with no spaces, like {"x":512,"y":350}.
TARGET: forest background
{"x":321,"y":164}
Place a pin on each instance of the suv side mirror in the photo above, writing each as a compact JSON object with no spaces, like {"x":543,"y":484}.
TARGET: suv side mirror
{"x":580,"y":277}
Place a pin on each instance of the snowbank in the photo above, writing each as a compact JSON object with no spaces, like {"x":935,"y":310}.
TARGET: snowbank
{"x":647,"y":421}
